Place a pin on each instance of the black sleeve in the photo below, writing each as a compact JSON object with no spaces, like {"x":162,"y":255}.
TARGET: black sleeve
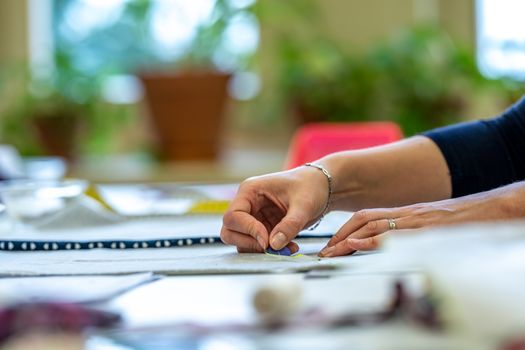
{"x":486,"y":154}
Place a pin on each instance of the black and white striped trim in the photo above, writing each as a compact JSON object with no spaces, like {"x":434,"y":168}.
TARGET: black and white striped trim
{"x":25,"y":245}
{"x":20,"y":245}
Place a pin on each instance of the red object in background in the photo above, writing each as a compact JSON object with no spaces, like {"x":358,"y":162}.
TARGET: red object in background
{"x":315,"y":140}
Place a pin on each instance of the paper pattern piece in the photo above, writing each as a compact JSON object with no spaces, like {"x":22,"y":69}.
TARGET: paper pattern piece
{"x":202,"y":259}
{"x":212,"y":259}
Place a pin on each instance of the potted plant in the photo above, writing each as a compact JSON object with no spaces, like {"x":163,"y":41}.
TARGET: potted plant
{"x":184,"y":79}
{"x":60,"y":113}
{"x":322,"y":83}
{"x":186,"y":99}
{"x":419,"y":79}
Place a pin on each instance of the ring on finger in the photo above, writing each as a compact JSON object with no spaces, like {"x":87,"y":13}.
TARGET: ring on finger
{"x":392,"y":224}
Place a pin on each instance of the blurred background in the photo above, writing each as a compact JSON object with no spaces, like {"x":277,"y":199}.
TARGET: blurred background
{"x":214,"y":90}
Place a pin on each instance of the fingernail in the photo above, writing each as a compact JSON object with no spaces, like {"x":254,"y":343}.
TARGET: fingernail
{"x":278,"y":241}
{"x":327,"y":252}
{"x":261,"y":242}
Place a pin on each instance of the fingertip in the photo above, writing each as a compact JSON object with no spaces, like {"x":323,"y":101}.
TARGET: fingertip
{"x":294,"y":247}
{"x":328,"y":252}
{"x":262,"y":242}
{"x":278,"y":241}
{"x":288,"y":228}
{"x":224,"y":236}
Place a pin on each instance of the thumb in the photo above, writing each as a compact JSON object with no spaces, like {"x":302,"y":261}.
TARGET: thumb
{"x":286,"y":230}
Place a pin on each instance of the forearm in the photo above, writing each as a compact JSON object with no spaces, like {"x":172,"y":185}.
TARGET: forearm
{"x":507,"y":202}
{"x":401,"y":173}
{"x":364,"y":231}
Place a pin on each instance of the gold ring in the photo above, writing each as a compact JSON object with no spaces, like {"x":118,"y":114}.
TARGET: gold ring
{"x":392,"y":224}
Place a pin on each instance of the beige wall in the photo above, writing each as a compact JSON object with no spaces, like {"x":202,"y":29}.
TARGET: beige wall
{"x":13,"y":31}
{"x":458,"y":17}
{"x":358,"y":23}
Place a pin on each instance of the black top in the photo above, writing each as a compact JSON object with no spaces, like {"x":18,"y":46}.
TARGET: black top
{"x":484,"y":154}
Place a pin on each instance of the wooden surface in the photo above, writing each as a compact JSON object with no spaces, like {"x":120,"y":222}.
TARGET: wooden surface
{"x":232,"y":166}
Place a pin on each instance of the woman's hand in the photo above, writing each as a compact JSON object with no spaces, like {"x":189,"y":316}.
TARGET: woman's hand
{"x":366,"y":228}
{"x":270,"y":210}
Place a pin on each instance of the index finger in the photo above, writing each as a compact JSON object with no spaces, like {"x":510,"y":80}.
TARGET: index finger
{"x":358,"y":220}
{"x":244,"y":223}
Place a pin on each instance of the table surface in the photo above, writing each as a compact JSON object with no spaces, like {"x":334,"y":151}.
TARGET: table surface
{"x":157,"y":315}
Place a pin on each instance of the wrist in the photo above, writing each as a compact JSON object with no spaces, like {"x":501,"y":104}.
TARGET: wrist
{"x":329,"y":182}
{"x":346,"y":185}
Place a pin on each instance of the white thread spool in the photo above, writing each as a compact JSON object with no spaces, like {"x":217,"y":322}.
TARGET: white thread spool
{"x":278,"y":300}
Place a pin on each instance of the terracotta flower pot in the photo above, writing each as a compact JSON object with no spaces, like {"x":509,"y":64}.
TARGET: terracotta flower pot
{"x":187,"y":112}
{"x":58,"y":134}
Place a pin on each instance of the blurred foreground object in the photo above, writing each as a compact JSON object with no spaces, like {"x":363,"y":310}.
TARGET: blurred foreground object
{"x":45,"y":341}
{"x":52,"y":317}
{"x":476,"y":275}
{"x":277,"y":301}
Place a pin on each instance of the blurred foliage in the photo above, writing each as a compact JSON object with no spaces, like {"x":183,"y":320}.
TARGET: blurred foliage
{"x":63,"y":92}
{"x":210,"y":38}
{"x":419,"y":79}
{"x":121,"y":45}
{"x":126,"y":43}
{"x":289,"y":17}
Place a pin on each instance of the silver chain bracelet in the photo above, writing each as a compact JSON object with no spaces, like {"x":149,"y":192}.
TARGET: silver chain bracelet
{"x":327,"y":205}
